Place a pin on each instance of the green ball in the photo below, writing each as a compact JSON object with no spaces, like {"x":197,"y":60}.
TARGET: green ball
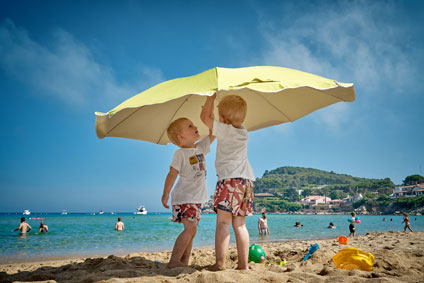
{"x":256,"y":254}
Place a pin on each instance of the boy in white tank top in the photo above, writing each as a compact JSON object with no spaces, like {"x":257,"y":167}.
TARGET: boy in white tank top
{"x":233,"y":196}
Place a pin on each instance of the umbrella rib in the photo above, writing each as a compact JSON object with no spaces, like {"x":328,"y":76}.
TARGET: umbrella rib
{"x":123,"y":120}
{"x":323,"y":92}
{"x":173,"y":116}
{"x":278,"y":110}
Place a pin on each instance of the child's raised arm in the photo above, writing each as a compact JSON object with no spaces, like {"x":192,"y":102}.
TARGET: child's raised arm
{"x":206,"y":115}
{"x":211,"y":137}
{"x":169,"y":183}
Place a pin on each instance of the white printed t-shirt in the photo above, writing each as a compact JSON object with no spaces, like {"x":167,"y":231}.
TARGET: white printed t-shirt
{"x":191,"y":165}
{"x":231,"y":152}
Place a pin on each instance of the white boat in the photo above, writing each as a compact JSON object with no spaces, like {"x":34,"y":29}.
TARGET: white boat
{"x":101,"y":212}
{"x":26,"y":212}
{"x":64,"y":212}
{"x":141,"y":210}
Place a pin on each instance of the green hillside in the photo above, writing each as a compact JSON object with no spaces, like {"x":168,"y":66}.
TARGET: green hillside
{"x":286,"y":182}
{"x":301,"y":178}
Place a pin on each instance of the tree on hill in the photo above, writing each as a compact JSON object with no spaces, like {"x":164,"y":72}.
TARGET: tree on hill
{"x":413,"y":179}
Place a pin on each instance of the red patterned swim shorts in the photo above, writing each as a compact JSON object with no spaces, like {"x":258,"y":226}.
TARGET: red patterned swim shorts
{"x":234,"y":195}
{"x":190,"y":211}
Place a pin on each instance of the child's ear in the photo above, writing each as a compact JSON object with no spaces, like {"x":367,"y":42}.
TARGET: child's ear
{"x":179,"y":138}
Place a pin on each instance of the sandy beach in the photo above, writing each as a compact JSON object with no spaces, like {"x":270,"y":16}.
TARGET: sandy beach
{"x":398,"y":258}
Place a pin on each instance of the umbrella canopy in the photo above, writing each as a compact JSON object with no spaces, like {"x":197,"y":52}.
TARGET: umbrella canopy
{"x":274,"y":95}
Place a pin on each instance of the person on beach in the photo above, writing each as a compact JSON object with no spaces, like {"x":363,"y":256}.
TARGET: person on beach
{"x":119,"y":226}
{"x":263,"y":225}
{"x":406,"y":221}
{"x":233,"y":196}
{"x":23,"y":227}
{"x":189,"y":193}
{"x":352,"y":228}
{"x":43,"y":228}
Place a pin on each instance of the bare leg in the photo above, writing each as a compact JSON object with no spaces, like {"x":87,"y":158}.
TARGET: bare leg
{"x":242,"y":240}
{"x":186,"y":256}
{"x":182,"y":246}
{"x":222,"y":238}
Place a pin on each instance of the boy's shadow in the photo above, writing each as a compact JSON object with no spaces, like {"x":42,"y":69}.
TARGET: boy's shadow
{"x":97,"y":269}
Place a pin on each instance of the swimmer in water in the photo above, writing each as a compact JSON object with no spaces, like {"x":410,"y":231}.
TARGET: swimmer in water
{"x":23,"y":227}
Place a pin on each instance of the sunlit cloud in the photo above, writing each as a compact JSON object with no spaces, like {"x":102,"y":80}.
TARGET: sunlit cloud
{"x":346,"y":43}
{"x":64,"y":69}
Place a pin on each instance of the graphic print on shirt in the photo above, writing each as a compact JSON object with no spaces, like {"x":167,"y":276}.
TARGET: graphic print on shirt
{"x":198,"y":165}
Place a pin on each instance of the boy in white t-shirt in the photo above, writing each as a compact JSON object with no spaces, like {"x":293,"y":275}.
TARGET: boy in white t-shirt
{"x":233,"y":196}
{"x":189,"y":193}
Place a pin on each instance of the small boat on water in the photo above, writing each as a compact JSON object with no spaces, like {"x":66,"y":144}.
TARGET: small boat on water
{"x":101,"y":212}
{"x":141,"y":210}
{"x":26,"y":212}
{"x":64,"y":212}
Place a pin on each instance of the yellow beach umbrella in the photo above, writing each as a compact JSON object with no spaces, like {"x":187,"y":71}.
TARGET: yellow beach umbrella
{"x":274,"y":95}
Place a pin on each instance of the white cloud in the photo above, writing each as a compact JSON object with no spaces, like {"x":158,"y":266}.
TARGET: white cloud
{"x":65,"y":69}
{"x":359,"y":42}
{"x":334,"y":116}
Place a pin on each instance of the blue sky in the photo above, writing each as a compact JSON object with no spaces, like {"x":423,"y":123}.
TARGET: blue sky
{"x":60,"y":61}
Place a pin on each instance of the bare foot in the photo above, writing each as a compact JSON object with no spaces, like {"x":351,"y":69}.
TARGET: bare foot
{"x":176,"y":264}
{"x":215,"y":267}
{"x":242,"y":268}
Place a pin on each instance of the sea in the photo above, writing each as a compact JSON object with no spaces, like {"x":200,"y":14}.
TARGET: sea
{"x":84,"y":234}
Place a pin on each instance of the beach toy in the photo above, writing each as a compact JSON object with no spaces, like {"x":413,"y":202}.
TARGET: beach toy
{"x":342,"y":240}
{"x":280,"y":263}
{"x":312,"y":249}
{"x":358,"y":221}
{"x":283,"y":262}
{"x":256,"y":254}
{"x":351,"y":258}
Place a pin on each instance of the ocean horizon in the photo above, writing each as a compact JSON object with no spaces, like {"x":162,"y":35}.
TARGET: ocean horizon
{"x":83,"y":234}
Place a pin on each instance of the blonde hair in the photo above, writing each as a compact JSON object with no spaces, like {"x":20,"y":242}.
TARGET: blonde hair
{"x":174,"y":130}
{"x":233,"y":108}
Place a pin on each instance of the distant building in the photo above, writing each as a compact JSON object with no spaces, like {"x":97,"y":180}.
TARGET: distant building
{"x":353,"y":198}
{"x":321,"y":207}
{"x":337,"y":202}
{"x":314,"y":200}
{"x":408,"y":191}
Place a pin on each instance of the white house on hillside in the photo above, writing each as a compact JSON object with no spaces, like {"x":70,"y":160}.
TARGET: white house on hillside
{"x":408,"y":191}
{"x":314,"y":200}
{"x":354,"y":198}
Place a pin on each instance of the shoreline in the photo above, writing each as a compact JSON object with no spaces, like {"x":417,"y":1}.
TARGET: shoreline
{"x":398,"y":258}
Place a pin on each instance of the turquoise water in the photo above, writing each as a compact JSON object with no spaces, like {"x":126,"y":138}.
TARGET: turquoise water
{"x":84,"y":234}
